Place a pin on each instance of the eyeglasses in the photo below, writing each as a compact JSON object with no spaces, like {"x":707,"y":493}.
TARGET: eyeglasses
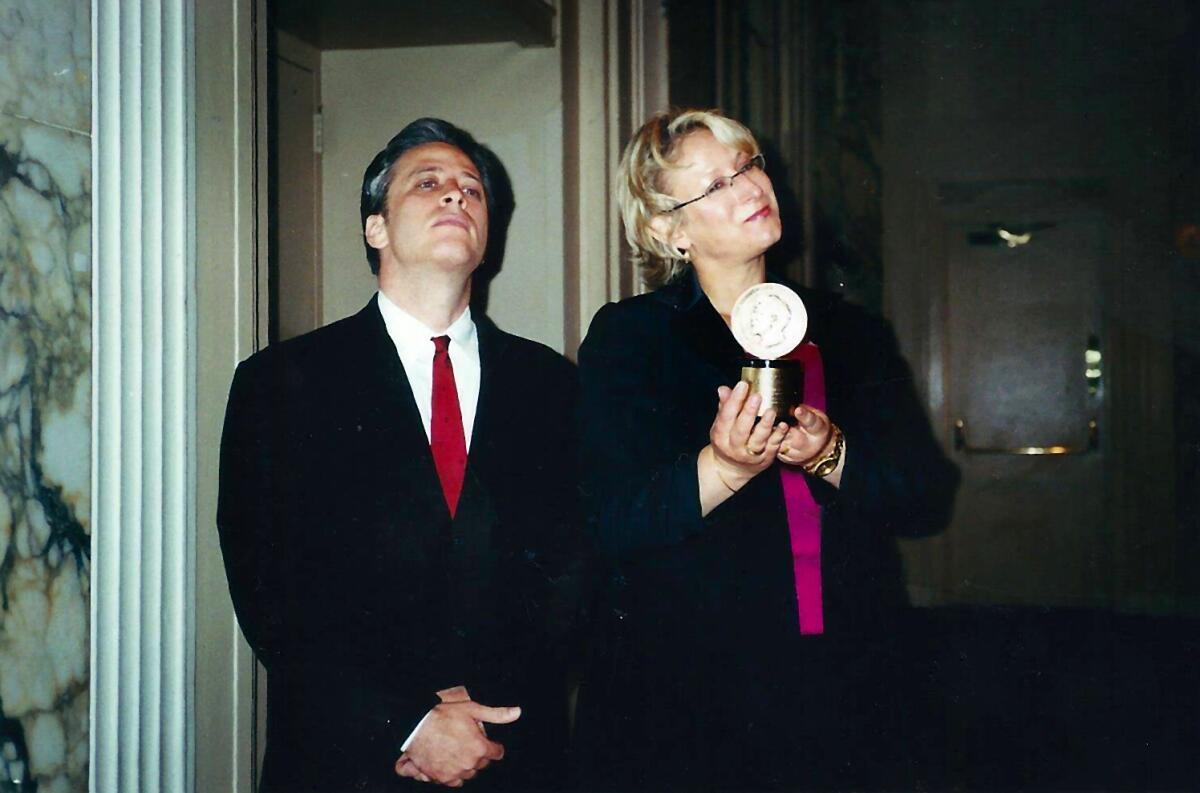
{"x":757,"y":161}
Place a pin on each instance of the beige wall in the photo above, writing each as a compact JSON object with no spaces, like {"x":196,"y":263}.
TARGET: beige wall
{"x":508,"y":97}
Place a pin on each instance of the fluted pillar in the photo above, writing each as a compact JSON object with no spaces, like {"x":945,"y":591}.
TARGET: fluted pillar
{"x":143,"y":373}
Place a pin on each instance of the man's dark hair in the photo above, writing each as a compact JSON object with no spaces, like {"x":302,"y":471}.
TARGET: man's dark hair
{"x":378,"y":176}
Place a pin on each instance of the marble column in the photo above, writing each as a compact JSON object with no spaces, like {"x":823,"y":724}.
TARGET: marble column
{"x":45,"y":391}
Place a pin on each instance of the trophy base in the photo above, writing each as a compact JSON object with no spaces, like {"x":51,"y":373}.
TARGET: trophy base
{"x":780,"y":383}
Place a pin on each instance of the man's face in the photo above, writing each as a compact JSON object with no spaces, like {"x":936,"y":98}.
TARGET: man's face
{"x":436,"y":213}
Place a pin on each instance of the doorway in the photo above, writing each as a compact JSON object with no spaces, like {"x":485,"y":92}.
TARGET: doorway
{"x":344,"y":79}
{"x":294,"y":163}
{"x":1026,"y":390}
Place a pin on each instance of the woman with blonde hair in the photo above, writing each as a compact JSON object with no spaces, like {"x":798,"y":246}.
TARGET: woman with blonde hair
{"x":752,"y":569}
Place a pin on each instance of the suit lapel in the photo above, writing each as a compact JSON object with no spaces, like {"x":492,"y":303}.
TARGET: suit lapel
{"x":492,"y":348}
{"x":476,"y":517}
{"x":392,"y":415}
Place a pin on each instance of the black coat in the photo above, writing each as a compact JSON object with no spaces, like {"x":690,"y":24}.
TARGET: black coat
{"x":698,"y":675}
{"x":357,"y":591}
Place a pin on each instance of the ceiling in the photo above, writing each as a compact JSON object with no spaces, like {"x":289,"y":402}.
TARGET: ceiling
{"x":374,"y":24}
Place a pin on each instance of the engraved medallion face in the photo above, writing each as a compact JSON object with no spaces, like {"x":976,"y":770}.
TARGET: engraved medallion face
{"x":769,"y":320}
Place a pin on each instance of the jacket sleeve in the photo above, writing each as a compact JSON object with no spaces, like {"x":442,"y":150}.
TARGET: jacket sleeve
{"x":245,"y":522}
{"x":641,"y":491}
{"x":331,"y":669}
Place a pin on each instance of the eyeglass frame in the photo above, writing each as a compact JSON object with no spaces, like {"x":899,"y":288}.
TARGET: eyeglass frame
{"x":757,"y":161}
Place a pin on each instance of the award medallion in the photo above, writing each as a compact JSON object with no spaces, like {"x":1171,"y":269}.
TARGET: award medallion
{"x":769,"y":321}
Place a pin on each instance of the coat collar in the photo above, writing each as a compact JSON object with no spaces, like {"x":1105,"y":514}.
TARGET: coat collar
{"x":683,"y":293}
{"x":494,"y":348}
{"x":386,"y":388}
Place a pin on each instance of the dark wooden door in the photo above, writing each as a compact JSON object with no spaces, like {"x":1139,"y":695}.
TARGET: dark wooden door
{"x":1025,"y":393}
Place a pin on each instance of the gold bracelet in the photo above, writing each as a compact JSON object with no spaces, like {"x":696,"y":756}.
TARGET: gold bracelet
{"x":827,"y":464}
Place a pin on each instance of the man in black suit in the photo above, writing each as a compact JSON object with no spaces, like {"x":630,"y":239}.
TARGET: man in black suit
{"x":408,"y":598}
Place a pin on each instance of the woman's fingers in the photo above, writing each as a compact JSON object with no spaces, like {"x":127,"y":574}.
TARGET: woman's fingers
{"x":807,"y":418}
{"x":777,"y":435}
{"x":739,"y":436}
{"x":735,"y":418}
{"x":761,"y":434}
{"x":808,"y":438}
{"x":744,"y":424}
{"x":732,"y":402}
{"x":810,"y":419}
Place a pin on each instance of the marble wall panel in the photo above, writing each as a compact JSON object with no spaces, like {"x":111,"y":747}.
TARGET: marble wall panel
{"x":46,"y":62}
{"x":45,"y":385}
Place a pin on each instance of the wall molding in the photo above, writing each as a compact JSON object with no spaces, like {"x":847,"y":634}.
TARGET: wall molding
{"x":143,"y":373}
{"x":614,"y":77}
{"x":231,"y":323}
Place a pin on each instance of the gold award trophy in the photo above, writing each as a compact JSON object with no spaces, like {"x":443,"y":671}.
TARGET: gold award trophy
{"x":769,"y":321}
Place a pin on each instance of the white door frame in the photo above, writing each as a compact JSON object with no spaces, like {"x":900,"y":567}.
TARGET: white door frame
{"x":231,"y":306}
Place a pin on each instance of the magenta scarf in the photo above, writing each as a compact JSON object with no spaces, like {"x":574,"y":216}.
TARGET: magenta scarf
{"x":803,"y":512}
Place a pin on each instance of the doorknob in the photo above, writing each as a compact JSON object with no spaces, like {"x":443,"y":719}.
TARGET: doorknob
{"x":961,"y":444}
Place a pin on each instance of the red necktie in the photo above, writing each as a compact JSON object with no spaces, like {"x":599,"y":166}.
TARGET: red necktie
{"x":446,"y":437}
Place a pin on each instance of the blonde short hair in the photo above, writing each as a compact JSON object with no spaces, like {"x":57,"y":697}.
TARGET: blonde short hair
{"x":650,"y":153}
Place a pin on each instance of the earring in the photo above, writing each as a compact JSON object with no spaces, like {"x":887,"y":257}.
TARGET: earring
{"x":683,"y":254}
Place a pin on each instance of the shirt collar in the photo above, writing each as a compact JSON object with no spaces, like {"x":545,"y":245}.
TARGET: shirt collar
{"x":410,"y":333}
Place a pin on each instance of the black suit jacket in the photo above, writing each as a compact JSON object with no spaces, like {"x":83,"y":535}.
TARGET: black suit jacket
{"x":355,"y":588}
{"x":698,"y":676}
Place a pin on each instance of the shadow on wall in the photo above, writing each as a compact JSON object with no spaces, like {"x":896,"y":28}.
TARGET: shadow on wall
{"x":502,"y":206}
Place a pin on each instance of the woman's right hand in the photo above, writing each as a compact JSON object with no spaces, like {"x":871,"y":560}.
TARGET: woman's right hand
{"x":739,"y":447}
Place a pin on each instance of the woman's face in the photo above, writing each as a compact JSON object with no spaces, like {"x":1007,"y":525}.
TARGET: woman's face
{"x":733,"y":225}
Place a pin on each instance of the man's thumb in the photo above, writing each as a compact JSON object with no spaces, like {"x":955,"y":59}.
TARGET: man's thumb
{"x":496,"y":715}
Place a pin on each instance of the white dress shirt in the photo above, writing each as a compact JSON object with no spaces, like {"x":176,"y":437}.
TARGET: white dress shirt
{"x":414,"y":345}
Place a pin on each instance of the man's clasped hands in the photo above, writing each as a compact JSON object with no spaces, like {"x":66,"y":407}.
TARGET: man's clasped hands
{"x":451,"y":744}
